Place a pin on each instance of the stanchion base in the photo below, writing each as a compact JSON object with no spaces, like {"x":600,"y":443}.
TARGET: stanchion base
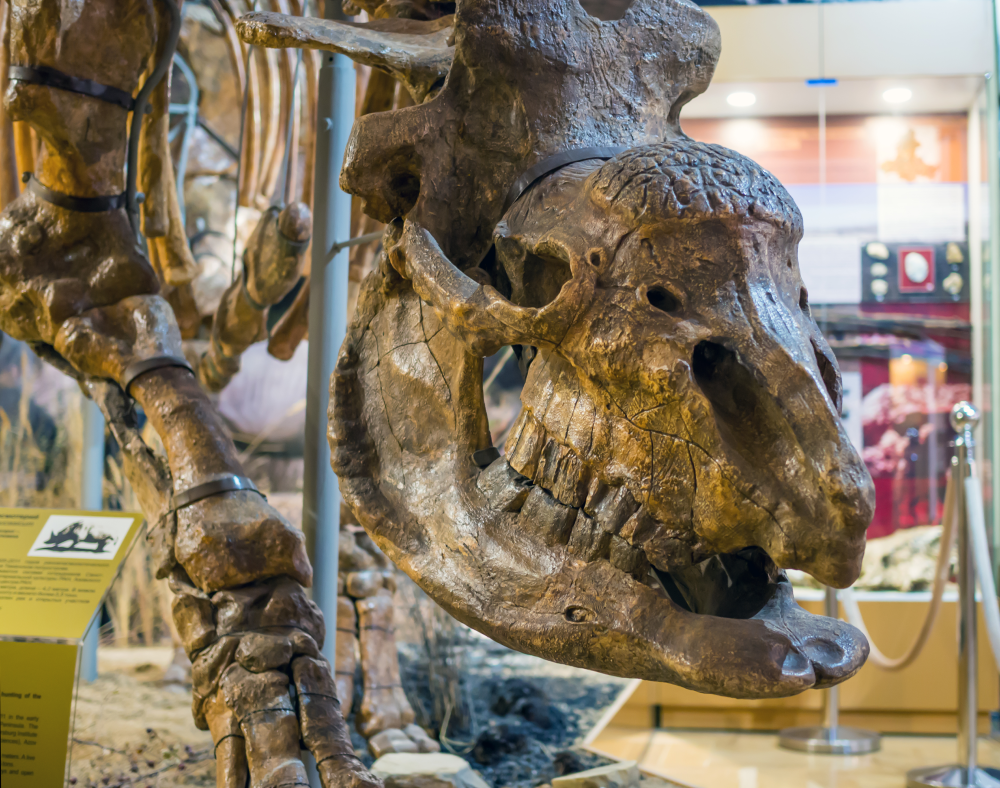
{"x":952,"y":777}
{"x":830,"y":741}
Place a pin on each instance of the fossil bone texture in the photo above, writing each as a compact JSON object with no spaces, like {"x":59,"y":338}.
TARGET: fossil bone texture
{"x":80,"y":289}
{"x":680,"y":442}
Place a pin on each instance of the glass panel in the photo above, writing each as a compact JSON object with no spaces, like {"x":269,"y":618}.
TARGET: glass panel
{"x":885,"y":258}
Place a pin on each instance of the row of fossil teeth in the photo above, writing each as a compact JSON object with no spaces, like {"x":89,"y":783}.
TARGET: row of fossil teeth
{"x":557,"y":498}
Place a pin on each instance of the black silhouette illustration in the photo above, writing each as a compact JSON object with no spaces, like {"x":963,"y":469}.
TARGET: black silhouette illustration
{"x":69,"y":540}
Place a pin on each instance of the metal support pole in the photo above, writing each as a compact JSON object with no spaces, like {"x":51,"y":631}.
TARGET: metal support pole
{"x":92,"y":500}
{"x":966,"y":772}
{"x":327,"y":325}
{"x":831,"y":738}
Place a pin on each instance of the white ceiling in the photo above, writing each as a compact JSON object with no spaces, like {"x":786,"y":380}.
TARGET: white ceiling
{"x":855,"y":40}
{"x":847,"y":97}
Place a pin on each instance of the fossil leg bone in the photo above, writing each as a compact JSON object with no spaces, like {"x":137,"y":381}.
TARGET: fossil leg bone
{"x":75,"y":284}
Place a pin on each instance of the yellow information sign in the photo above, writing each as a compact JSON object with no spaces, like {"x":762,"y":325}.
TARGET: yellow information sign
{"x":55,"y":569}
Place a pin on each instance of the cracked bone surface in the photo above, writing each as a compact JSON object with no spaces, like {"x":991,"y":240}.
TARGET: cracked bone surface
{"x":681,"y":440}
{"x":78,"y":287}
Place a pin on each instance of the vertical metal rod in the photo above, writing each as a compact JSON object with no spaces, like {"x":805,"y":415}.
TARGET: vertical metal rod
{"x":967,"y":678}
{"x":327,"y":325}
{"x":92,"y":500}
{"x":831,"y":715}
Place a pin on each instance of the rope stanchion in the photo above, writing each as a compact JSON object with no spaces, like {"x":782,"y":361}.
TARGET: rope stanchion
{"x":941,"y":573}
{"x":973,"y":552}
{"x":831,"y":738}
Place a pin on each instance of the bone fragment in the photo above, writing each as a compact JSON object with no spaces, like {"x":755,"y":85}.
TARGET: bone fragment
{"x":352,"y":557}
{"x":614,"y":509}
{"x":562,"y":472}
{"x":424,"y":742}
{"x":505,"y":489}
{"x":324,"y":731}
{"x":262,"y":705}
{"x":260,"y":652}
{"x":524,"y":453}
{"x":272,"y":264}
{"x":292,"y":327}
{"x":364,"y":584}
{"x":161,"y":212}
{"x":629,"y":559}
{"x":414,"y":52}
{"x":391,"y":740}
{"x":384,"y":704}
{"x":544,"y":515}
{"x":347,"y":650}
{"x":231,"y":769}
{"x":206,"y":671}
{"x":193,"y":617}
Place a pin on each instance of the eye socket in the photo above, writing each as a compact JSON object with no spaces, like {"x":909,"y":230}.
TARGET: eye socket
{"x":662,"y":299}
{"x":804,"y":300}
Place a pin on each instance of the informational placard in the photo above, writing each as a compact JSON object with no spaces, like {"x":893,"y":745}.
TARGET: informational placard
{"x":55,"y":568}
{"x":36,"y":702}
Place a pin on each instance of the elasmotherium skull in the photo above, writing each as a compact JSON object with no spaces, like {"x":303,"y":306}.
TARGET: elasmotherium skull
{"x":681,"y":411}
{"x":696,"y":378}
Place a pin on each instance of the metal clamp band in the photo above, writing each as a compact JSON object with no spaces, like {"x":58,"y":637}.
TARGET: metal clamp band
{"x":141,"y":367}
{"x":231,"y":483}
{"x":553,"y":163}
{"x":296,"y":245}
{"x":53,"y":78}
{"x":111,"y":202}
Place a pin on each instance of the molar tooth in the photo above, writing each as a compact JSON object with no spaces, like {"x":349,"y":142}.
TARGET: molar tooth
{"x":639,"y":528}
{"x":563,"y":473}
{"x":523,"y":456}
{"x":596,"y":493}
{"x":669,"y":553}
{"x":629,"y":559}
{"x":546,"y":516}
{"x":589,"y":541}
{"x":615,"y":509}
{"x":505,"y":489}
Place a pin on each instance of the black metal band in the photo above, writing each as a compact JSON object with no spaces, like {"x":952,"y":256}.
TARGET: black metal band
{"x":78,"y":204}
{"x":545,"y":166}
{"x":484,"y":457}
{"x":231,"y":483}
{"x":53,"y":78}
{"x":297,"y":245}
{"x":141,"y":367}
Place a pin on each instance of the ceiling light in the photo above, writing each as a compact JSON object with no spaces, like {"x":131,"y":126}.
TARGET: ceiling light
{"x":741,"y":99}
{"x":897,"y":95}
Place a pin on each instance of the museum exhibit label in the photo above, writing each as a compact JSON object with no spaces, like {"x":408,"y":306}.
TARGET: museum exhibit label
{"x":55,"y":568}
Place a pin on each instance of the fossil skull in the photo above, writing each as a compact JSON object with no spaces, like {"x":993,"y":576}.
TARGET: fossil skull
{"x":680,"y":440}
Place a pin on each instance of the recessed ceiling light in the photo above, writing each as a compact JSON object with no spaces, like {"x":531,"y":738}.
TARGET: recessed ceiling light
{"x":897,"y":95}
{"x":741,"y":99}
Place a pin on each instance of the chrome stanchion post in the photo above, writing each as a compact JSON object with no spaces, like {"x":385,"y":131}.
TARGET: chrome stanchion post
{"x":966,"y":773}
{"x":831,"y":738}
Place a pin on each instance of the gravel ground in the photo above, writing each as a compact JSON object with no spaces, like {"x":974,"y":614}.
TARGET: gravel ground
{"x":519,"y":720}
